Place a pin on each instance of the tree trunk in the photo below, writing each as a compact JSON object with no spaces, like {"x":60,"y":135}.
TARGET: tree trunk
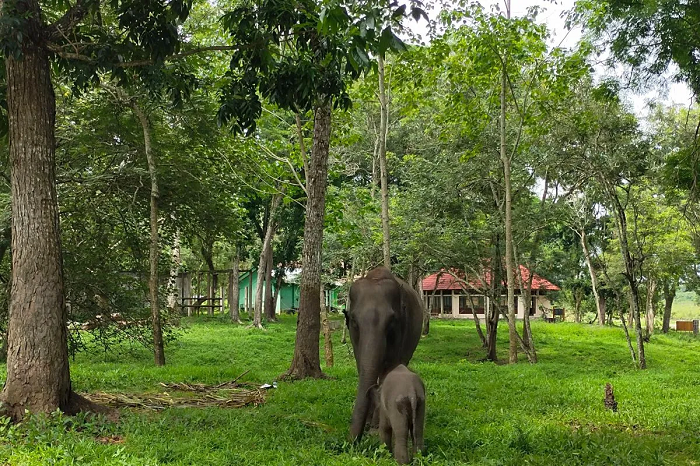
{"x":629,"y":340}
{"x":383,"y":128}
{"x":269,"y":299}
{"x":510,"y":263}
{"x":173,"y":295}
{"x":630,"y":275}
{"x":528,"y":343}
{"x":208,"y":256}
{"x":38,"y":375}
{"x":594,"y":277}
{"x":327,"y":340}
{"x":477,"y":323}
{"x":650,"y":311}
{"x":154,"y":250}
{"x":577,"y":305}
{"x":262,"y":263}
{"x":234,"y":299}
{"x":306,"y":361}
{"x":493,"y":312}
{"x":669,"y":296}
{"x":278,"y":286}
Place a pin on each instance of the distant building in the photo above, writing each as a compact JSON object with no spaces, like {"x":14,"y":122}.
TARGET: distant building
{"x":287,"y":298}
{"x":447,"y":297}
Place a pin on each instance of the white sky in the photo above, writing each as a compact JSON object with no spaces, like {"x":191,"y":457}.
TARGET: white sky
{"x":551,"y":14}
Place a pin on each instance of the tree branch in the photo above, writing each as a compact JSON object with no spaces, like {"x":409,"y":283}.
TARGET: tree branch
{"x":70,"y":19}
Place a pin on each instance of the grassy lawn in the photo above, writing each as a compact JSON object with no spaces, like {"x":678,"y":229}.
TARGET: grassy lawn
{"x":551,"y":413}
{"x":685,"y":306}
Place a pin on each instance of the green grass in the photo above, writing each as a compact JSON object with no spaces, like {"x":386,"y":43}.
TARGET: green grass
{"x":550,"y":413}
{"x":685,"y":306}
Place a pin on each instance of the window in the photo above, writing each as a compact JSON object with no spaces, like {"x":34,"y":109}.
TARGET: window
{"x":479,"y":303}
{"x":447,"y":303}
{"x":434,"y":305}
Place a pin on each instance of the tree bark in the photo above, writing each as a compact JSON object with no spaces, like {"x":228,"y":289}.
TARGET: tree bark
{"x":650,"y":311}
{"x":383,"y":128}
{"x":594,"y":277}
{"x":493,"y":312}
{"x":234,"y":298}
{"x":262,"y":263}
{"x":669,"y":296}
{"x":154,"y":249}
{"x":38,"y":375}
{"x":278,"y":286}
{"x":306,"y":361}
{"x":173,"y":295}
{"x":269,"y":299}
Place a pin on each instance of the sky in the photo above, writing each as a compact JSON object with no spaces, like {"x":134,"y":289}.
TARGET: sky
{"x":551,"y":14}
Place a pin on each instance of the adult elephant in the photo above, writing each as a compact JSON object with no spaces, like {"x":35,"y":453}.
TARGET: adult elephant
{"x":384,"y":319}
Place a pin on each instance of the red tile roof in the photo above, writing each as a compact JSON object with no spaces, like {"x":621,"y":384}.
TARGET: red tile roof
{"x":448,"y":281}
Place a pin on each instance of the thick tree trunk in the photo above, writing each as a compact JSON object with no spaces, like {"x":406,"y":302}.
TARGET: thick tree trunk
{"x":154,"y":248}
{"x":594,"y":277}
{"x":234,"y":300}
{"x":650,"y":307}
{"x":327,"y":340}
{"x":38,"y":377}
{"x":669,"y":296}
{"x":262,"y":264}
{"x":383,"y":128}
{"x":306,"y":361}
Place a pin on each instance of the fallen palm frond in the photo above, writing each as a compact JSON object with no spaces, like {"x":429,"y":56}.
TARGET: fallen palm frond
{"x":224,"y":395}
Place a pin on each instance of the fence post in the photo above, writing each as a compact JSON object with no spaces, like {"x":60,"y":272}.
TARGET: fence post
{"x":696,"y":327}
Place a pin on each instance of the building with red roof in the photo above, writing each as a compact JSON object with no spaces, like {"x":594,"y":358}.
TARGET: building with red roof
{"x":453,"y":294}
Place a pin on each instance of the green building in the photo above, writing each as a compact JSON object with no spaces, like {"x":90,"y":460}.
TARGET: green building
{"x":288,"y":297}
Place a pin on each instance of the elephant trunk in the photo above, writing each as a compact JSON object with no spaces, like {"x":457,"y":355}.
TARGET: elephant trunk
{"x":370,"y":364}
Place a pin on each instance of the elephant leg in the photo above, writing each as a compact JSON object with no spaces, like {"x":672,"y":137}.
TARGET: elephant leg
{"x":375,"y":420}
{"x":385,"y":431}
{"x":400,"y":431}
{"x":418,"y":426}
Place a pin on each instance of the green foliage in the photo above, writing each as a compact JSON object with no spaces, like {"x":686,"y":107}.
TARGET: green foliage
{"x":549,"y":413}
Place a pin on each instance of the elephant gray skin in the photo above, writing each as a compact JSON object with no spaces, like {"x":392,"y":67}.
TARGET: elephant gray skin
{"x":384,"y":319}
{"x":401,"y":401}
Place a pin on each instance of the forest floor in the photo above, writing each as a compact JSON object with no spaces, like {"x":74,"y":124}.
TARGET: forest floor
{"x":477,"y":412}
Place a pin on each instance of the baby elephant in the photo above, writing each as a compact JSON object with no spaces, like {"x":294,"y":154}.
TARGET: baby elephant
{"x":401,"y":401}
